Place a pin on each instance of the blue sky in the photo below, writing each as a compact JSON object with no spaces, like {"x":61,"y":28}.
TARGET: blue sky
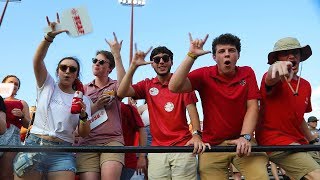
{"x":160,"y":22}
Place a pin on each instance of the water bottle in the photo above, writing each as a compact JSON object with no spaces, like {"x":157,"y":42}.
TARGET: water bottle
{"x":75,"y":107}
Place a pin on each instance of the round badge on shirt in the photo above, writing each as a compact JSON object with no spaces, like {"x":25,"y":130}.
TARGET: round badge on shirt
{"x":169,"y":106}
{"x":153,"y":91}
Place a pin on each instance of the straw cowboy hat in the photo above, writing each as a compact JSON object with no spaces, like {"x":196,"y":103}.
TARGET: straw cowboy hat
{"x":289,"y":43}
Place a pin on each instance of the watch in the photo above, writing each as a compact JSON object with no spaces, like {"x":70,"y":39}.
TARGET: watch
{"x":246,"y":136}
{"x":314,"y":141}
{"x":197,"y":132}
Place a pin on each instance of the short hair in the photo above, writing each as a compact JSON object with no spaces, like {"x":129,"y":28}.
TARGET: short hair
{"x":225,"y":39}
{"x":161,"y":49}
{"x":108,"y":55}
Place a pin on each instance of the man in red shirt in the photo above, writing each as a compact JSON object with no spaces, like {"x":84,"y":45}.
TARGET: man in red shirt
{"x":167,"y":112}
{"x":229,"y":96}
{"x":131,"y":124}
{"x":285,"y":99}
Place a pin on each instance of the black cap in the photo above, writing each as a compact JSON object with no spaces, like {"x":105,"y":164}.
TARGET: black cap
{"x":312,"y":119}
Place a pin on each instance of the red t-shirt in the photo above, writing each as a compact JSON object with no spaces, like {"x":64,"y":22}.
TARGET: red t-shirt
{"x":223,"y":101}
{"x":281,"y":113}
{"x":167,"y":112}
{"x":131,"y":123}
{"x":11,"y":119}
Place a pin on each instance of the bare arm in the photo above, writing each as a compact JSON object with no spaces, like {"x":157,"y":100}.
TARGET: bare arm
{"x":26,"y":115}
{"x":115,"y":47}
{"x":277,"y":71}
{"x":84,"y":124}
{"x":125,"y":89}
{"x":39,"y":67}
{"x":196,"y":140}
{"x":248,"y":126}
{"x":194,"y":117}
{"x":142,"y":161}
{"x":251,"y":117}
{"x":179,"y":82}
{"x":3,"y":124}
{"x":306,"y":131}
{"x":40,"y":70}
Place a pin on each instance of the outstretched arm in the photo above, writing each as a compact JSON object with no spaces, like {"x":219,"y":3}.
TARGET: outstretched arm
{"x":179,"y":82}
{"x":278,"y":70}
{"x":39,"y":67}
{"x":125,"y":89}
{"x":115,"y":47}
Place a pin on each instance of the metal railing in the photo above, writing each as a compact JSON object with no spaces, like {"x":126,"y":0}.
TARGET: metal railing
{"x":152,"y":149}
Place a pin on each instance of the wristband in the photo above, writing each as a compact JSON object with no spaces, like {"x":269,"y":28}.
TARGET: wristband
{"x":52,"y":37}
{"x":193,"y":56}
{"x":314,"y":141}
{"x":83,"y":118}
{"x":82,"y":121}
{"x":197,"y":132}
{"x":45,"y":38}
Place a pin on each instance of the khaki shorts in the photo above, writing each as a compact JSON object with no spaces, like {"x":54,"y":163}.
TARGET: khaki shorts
{"x":167,"y":166}
{"x":92,"y":162}
{"x":234,"y":169}
{"x":296,"y":165}
{"x":215,"y":165}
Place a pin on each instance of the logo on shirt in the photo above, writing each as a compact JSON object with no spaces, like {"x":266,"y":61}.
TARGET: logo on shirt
{"x":242,"y":82}
{"x":306,"y":101}
{"x":169,"y":106}
{"x":153,"y":91}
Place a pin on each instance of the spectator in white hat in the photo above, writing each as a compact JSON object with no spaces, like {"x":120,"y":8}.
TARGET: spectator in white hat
{"x":285,"y":99}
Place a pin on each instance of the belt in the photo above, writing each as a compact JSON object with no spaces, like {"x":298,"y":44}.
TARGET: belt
{"x":49,"y":138}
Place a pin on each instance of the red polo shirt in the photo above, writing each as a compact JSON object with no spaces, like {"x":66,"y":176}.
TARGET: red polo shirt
{"x":223,"y":101}
{"x":167,"y":112}
{"x":281,"y":113}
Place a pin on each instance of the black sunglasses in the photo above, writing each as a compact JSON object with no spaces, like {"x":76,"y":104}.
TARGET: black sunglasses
{"x":101,"y":61}
{"x":157,"y":59}
{"x":64,"y":68}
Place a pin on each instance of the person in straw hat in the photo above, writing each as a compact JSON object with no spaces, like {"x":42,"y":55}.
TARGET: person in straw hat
{"x":285,"y":99}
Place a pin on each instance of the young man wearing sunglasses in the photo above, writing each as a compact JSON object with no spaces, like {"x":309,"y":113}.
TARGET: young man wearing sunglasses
{"x":106,"y":129}
{"x":229,"y":95}
{"x":167,"y":112}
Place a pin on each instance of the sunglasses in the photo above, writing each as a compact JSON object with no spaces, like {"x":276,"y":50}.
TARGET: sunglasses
{"x":294,"y":52}
{"x":64,"y":68}
{"x":101,"y":61}
{"x":157,"y":59}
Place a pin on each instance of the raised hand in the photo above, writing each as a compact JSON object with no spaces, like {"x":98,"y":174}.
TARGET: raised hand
{"x":196,"y":46}
{"x":282,"y":69}
{"x":139,"y":57}
{"x":115,"y":46}
{"x":52,"y":34}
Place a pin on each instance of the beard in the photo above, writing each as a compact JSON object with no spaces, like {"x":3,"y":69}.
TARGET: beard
{"x":163,"y":73}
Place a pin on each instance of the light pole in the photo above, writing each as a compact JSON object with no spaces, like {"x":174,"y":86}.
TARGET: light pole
{"x":4,"y":10}
{"x":132,"y":3}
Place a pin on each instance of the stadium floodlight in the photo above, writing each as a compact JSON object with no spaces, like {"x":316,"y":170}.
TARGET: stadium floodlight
{"x":132,"y":3}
